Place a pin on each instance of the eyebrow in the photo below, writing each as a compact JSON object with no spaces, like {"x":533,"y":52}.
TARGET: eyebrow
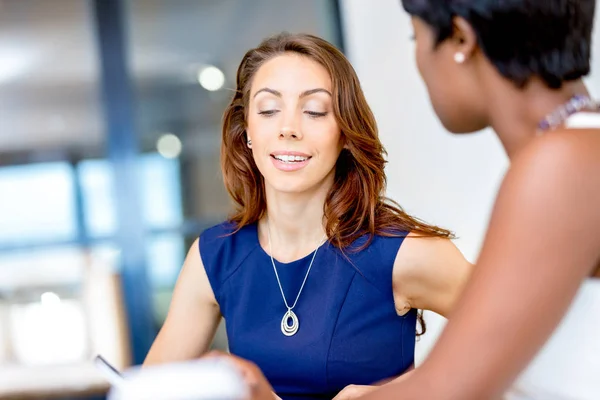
{"x":303,"y":94}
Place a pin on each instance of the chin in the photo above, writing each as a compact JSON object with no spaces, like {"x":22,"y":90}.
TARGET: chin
{"x":457,"y":129}
{"x":458,"y":119}
{"x":289,"y":186}
{"x":463,"y":126}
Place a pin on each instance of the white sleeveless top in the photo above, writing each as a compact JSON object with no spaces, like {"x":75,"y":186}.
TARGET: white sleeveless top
{"x":568,"y":366}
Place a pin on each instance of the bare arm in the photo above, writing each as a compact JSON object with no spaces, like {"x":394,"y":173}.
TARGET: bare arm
{"x":429,"y":274}
{"x":541,"y":244}
{"x":193,"y":316}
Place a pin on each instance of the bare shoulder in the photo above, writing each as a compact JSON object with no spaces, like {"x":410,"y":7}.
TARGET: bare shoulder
{"x":195,"y":274}
{"x":417,"y":250}
{"x":577,"y":150}
{"x":550,"y":198}
{"x":428,"y":273}
{"x":564,"y":163}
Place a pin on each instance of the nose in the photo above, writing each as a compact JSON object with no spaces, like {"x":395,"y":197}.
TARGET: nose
{"x":289,"y":133}
{"x":290,"y":125}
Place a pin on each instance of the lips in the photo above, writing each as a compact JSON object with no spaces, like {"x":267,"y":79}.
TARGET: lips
{"x":289,"y":160}
{"x":290,"y":155}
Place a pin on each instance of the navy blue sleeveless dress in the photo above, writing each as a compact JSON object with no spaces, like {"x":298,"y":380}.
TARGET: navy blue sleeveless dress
{"x":349,"y":330}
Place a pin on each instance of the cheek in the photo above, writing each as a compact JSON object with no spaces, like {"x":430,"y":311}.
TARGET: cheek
{"x":330,"y":141}
{"x":434,"y":80}
{"x":259,"y":129}
{"x":424,"y":57}
{"x":438,"y":84}
{"x":419,"y":59}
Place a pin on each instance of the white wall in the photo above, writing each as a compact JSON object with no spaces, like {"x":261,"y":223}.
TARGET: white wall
{"x":444,"y":179}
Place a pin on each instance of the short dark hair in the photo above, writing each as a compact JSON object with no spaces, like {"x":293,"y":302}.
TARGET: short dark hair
{"x":550,"y":39}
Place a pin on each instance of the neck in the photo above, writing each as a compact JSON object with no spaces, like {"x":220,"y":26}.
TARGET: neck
{"x":515,"y":113}
{"x":295,"y":221}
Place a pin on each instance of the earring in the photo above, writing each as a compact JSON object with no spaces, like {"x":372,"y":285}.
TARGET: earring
{"x":459,"y":58}
{"x":249,"y":143}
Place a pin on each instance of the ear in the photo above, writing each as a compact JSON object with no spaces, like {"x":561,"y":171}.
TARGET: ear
{"x":248,"y":139}
{"x":464,"y":39}
{"x":344,"y":142}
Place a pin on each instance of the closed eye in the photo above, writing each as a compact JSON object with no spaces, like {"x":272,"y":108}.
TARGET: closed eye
{"x":315,"y":114}
{"x":268,"y":113}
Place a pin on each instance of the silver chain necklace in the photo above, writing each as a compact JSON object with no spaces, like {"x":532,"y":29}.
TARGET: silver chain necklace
{"x":286,"y":328}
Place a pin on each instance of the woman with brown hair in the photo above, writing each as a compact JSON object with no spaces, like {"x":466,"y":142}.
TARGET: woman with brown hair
{"x":318,"y":275}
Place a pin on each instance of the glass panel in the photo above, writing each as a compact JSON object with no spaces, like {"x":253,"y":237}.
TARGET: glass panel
{"x":165,"y":257}
{"x":37,"y":203}
{"x":97,"y":186}
{"x":161,"y":191}
{"x":165,"y":254}
{"x":160,"y":187}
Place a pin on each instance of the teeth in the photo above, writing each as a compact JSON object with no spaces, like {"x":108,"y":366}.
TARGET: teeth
{"x":287,"y":158}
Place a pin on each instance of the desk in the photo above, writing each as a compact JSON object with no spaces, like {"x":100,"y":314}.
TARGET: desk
{"x":19,"y":382}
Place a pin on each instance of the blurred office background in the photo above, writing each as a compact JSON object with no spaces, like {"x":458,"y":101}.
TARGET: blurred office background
{"x":110,"y":117}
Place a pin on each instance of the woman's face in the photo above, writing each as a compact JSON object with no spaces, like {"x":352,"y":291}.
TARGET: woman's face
{"x":453,"y":87}
{"x":295,"y":138}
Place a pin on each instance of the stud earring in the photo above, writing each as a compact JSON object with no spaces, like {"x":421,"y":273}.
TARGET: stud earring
{"x":459,"y":58}
{"x":249,"y":143}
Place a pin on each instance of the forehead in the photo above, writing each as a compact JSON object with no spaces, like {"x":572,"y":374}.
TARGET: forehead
{"x":291,"y":73}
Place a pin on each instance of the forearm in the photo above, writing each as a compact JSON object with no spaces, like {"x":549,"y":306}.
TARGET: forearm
{"x":490,"y":338}
{"x":397,"y":379}
{"x":170,"y":348}
{"x":398,"y":389}
{"x":494,"y":335}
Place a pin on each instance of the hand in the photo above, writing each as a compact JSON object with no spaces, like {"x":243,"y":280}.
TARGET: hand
{"x":351,"y":392}
{"x":259,"y":387}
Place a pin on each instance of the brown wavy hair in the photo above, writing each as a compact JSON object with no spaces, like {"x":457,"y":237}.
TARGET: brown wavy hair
{"x":356,"y":204}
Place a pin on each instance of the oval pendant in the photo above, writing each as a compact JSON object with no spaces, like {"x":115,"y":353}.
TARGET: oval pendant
{"x":287,"y":329}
